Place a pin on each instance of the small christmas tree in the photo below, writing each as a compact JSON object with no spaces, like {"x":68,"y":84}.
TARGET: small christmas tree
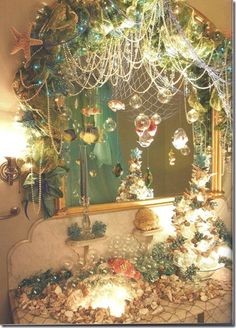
{"x":133,"y":186}
{"x":196,"y":221}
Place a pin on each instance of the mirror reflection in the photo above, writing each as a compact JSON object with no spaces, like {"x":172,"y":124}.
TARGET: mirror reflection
{"x":121,"y":167}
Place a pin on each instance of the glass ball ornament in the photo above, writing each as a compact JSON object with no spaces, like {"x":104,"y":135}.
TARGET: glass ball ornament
{"x":135,"y":101}
{"x":192,"y":115}
{"x":109,"y":125}
{"x":185,"y":151}
{"x":156,"y":118}
{"x":93,"y":173}
{"x":164,"y":95}
{"x":145,"y":140}
{"x":152,"y":129}
{"x":179,"y":139}
{"x":142,"y":122}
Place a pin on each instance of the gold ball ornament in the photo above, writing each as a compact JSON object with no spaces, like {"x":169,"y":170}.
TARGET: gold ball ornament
{"x":146,"y":220}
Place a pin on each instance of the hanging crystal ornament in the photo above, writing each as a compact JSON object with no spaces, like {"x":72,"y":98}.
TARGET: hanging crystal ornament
{"x":172,"y":158}
{"x":156,"y":118}
{"x":116,"y":105}
{"x":179,"y":139}
{"x":135,"y":101}
{"x":109,"y":125}
{"x":117,"y":170}
{"x":164,"y":95}
{"x":192,"y":115}
{"x":185,"y":151}
{"x":148,"y":178}
{"x":142,"y":122}
{"x":145,"y":140}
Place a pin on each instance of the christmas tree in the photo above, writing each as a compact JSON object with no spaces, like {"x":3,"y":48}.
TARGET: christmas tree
{"x":196,"y":221}
{"x":133,"y":186}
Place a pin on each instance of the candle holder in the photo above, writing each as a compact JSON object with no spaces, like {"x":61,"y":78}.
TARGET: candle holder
{"x":84,"y":199}
{"x":86,"y":223}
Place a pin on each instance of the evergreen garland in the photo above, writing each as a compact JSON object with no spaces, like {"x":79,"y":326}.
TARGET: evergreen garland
{"x":35,"y":285}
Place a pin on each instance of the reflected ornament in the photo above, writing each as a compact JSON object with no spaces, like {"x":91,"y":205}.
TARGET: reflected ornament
{"x":90,"y":135}
{"x":93,"y":173}
{"x":148,"y":178}
{"x":139,"y":132}
{"x":109,"y":125}
{"x":117,"y":170}
{"x":192,"y":115}
{"x":92,"y":156}
{"x":116,"y":105}
{"x":172,"y":158}
{"x":179,"y":139}
{"x":185,"y":151}
{"x":145,"y":140}
{"x":156,"y":118}
{"x":142,"y":122}
{"x":164,"y":96}
{"x":152,"y":129}
{"x":145,"y":144}
{"x":135,"y":101}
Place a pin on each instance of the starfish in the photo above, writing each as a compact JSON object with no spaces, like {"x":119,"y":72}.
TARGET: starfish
{"x":24,"y":42}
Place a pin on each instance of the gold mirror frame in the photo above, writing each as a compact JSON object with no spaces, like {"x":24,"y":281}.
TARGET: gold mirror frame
{"x":216,"y":167}
{"x":216,"y":184}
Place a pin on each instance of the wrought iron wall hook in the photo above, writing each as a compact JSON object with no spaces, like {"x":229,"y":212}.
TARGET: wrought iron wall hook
{"x":13,"y":212}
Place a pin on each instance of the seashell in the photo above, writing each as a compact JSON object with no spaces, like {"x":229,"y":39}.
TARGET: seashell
{"x":146,"y":219}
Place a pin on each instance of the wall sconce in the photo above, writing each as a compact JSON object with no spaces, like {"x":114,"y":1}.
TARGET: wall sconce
{"x":9,"y":171}
{"x":13,"y":212}
{"x":12,"y":146}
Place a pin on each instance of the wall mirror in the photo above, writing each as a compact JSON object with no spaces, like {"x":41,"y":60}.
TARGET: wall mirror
{"x":139,"y":85}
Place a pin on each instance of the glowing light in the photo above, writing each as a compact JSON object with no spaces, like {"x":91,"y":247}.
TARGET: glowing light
{"x":12,"y":141}
{"x":112,"y":297}
{"x":105,"y":294}
{"x":224,"y":251}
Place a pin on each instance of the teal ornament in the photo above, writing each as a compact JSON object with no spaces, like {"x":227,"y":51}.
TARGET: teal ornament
{"x":117,"y":170}
{"x":136,"y":153}
{"x":36,"y":66}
